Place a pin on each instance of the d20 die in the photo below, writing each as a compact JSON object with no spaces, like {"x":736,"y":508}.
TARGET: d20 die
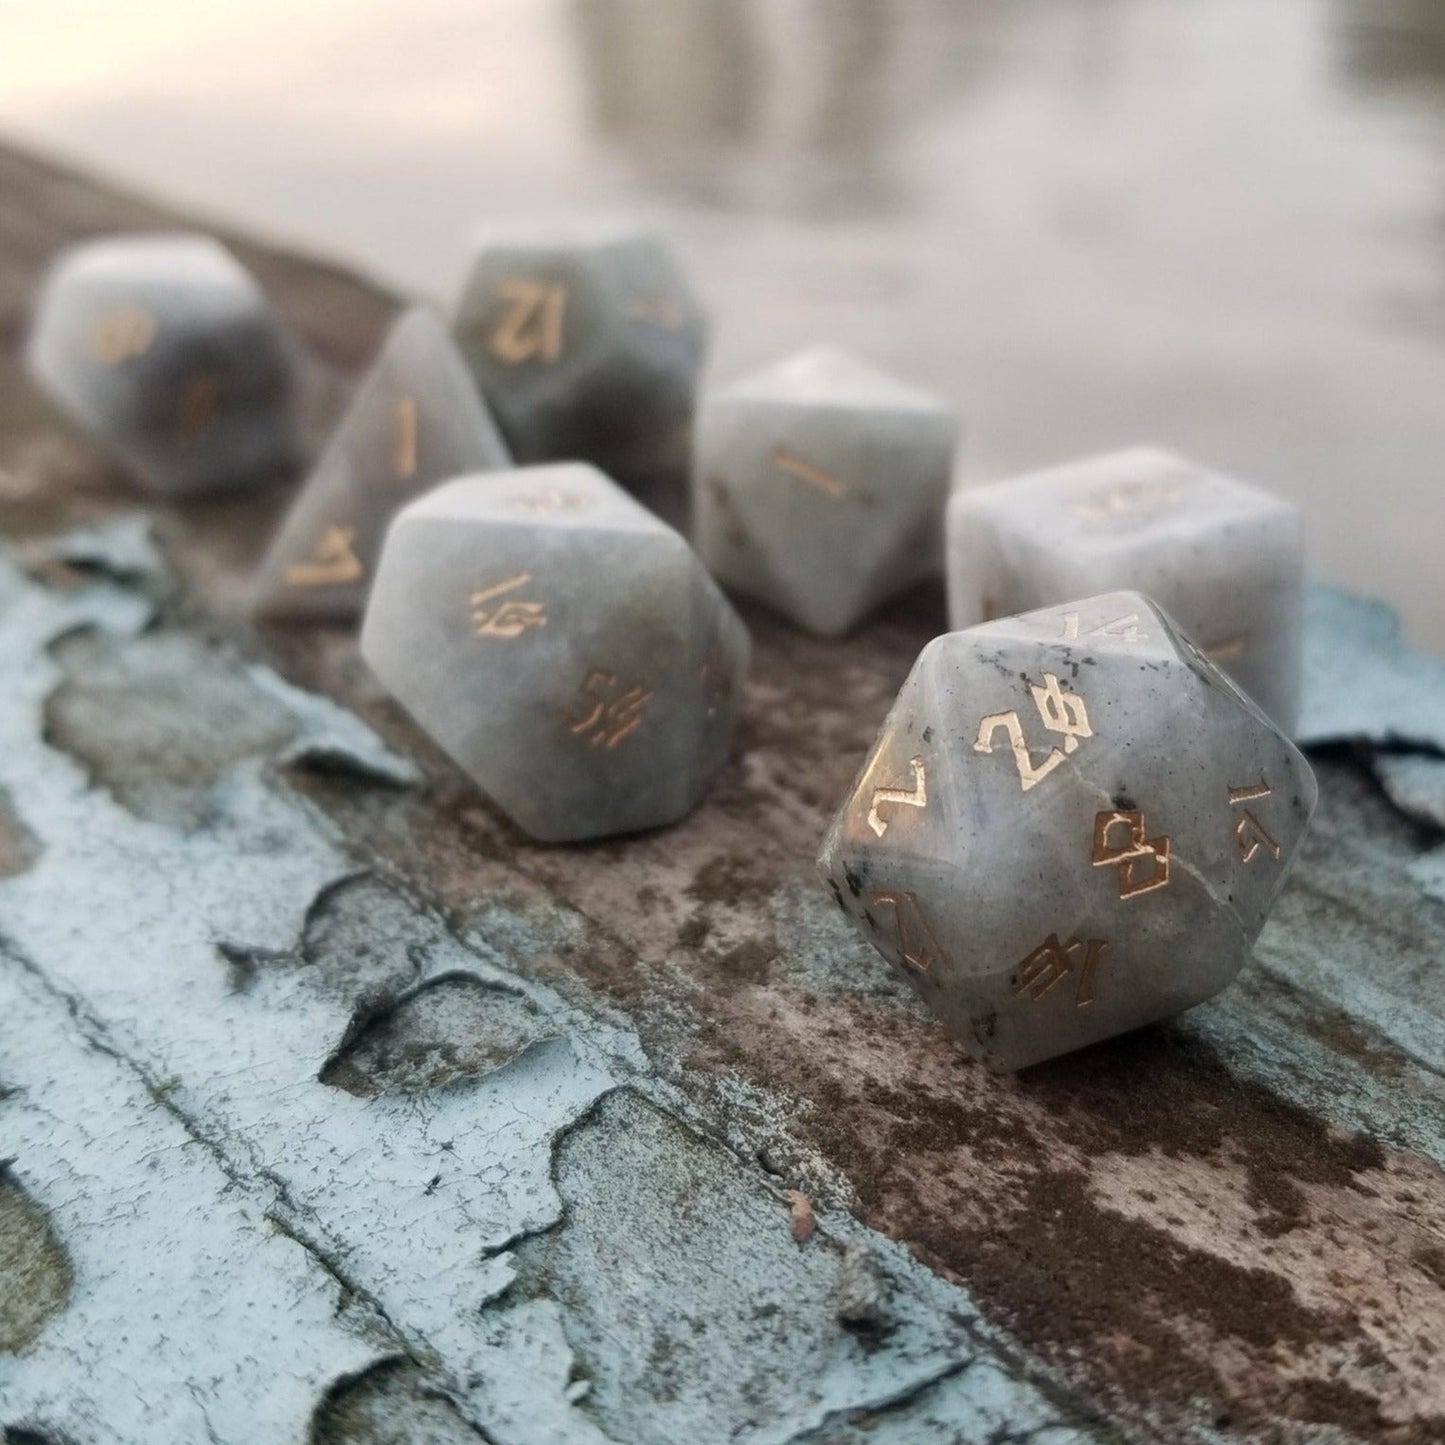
{"x":1071,"y":824}
{"x":587,"y":347}
{"x":562,"y":645}
{"x":1224,"y":559}
{"x":416,"y":420}
{"x":165,"y":349}
{"x":819,"y":487}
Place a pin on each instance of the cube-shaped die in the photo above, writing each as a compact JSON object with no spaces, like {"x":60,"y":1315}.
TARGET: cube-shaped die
{"x":1071,"y":824}
{"x":416,"y":420}
{"x":164,"y":348}
{"x":587,"y":345}
{"x":1224,"y":559}
{"x":564,"y":646}
{"x":819,"y":486}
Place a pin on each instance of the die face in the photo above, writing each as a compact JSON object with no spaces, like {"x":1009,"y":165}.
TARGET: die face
{"x":562,"y":645}
{"x":1071,"y":825}
{"x":586,"y":348}
{"x":416,"y":420}
{"x":1224,"y":559}
{"x":819,"y":488}
{"x":164,"y":348}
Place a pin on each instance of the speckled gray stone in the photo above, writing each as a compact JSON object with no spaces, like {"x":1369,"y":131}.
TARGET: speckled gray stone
{"x":416,"y":420}
{"x":1071,"y":824}
{"x":587,"y":344}
{"x":819,"y":486}
{"x":164,"y":348}
{"x":562,"y":645}
{"x":1226,"y":560}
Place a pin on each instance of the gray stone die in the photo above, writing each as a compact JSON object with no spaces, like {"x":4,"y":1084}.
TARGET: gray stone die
{"x":586,"y":345}
{"x":1071,"y":824}
{"x":1225,"y":560}
{"x":164,"y":348}
{"x":562,"y":645}
{"x":416,"y":420}
{"x":819,"y":486}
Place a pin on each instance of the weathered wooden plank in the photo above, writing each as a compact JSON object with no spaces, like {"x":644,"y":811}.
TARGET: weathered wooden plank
{"x":537,"y":1107}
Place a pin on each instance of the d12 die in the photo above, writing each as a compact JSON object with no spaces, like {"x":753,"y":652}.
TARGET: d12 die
{"x":819,"y":487}
{"x":415,"y":421}
{"x":562,"y":645}
{"x":587,"y":347}
{"x":1224,"y":559}
{"x":164,"y":348}
{"x":1071,"y":824}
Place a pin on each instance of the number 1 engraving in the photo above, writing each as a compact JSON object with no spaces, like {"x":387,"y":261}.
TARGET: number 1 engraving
{"x":403,"y":457}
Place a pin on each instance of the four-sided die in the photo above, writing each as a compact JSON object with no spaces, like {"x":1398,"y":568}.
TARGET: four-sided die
{"x":586,"y":345}
{"x":1071,"y":824}
{"x":416,"y":420}
{"x":564,"y":646}
{"x":819,"y":486}
{"x":1225,"y":560}
{"x":165,"y":349}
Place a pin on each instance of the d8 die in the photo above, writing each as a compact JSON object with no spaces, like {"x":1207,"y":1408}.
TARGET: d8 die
{"x":819,"y":487}
{"x":562,"y":645}
{"x":415,"y":421}
{"x":1224,"y":559}
{"x":1071,"y":824}
{"x":164,"y":348}
{"x":587,"y":348}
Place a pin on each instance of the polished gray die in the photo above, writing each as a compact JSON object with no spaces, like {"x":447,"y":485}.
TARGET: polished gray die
{"x":1223,"y":558}
{"x":415,"y":421}
{"x":587,"y":345}
{"x":1071,"y":824}
{"x":164,"y":348}
{"x":562,"y":645}
{"x":819,"y":486}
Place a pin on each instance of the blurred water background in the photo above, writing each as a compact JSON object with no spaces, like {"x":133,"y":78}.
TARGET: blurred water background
{"x":1217,"y":225}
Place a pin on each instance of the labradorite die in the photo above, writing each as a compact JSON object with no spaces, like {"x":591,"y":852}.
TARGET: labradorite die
{"x":565,"y":647}
{"x":1071,"y":824}
{"x":1224,"y":559}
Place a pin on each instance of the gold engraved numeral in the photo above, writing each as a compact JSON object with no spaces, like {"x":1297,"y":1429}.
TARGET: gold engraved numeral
{"x":1228,"y":650}
{"x":810,"y":472}
{"x":1061,"y":711}
{"x":615,"y":710}
{"x":509,"y":618}
{"x":1052,"y":962}
{"x":530,"y":328}
{"x":552,"y":499}
{"x":1125,"y":497}
{"x":333,"y":560}
{"x":1121,"y":629}
{"x":403,"y":454}
{"x":118,"y":335}
{"x":1134,"y":850}
{"x":199,"y":403}
{"x":916,"y":942}
{"x":914,"y":797}
{"x":1250,"y":835}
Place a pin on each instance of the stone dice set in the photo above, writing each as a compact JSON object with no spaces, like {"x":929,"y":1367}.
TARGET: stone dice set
{"x":562,"y":644}
{"x":166,"y":351}
{"x":1071,"y":824}
{"x":818,"y":485}
{"x":1225,"y":560}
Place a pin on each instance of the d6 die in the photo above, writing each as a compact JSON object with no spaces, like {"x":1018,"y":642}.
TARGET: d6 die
{"x":562,"y":645}
{"x":586,"y":346}
{"x":819,"y":487}
{"x":1224,"y":559}
{"x":1070,"y":824}
{"x":164,"y":348}
{"x":416,"y":420}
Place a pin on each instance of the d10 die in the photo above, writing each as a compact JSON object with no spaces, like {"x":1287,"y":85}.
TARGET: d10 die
{"x":819,"y":487}
{"x":1072,"y":823}
{"x":1224,"y":559}
{"x":164,"y":348}
{"x":415,"y":421}
{"x":587,"y":348}
{"x":563,"y":645}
